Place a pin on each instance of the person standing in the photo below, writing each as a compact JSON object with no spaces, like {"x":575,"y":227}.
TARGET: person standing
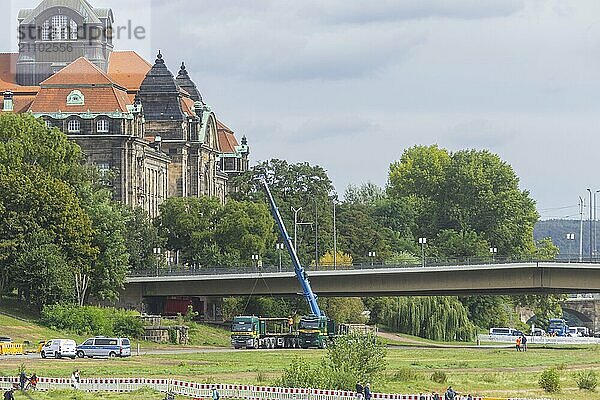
{"x":215,"y":393}
{"x":359,"y":391}
{"x":450,"y":394}
{"x":524,"y":342}
{"x":368,"y":391}
{"x":518,"y":343}
{"x":435,"y":396}
{"x":22,"y":380}
{"x":75,"y":379}
{"x":8,"y":395}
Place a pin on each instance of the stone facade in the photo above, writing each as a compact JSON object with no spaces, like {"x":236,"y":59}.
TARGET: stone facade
{"x":151,"y":133}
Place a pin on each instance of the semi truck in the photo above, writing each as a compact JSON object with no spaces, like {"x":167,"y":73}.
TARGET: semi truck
{"x":558,"y":327}
{"x":253,"y":332}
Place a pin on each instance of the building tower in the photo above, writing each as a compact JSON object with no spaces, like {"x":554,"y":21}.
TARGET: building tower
{"x":58,"y":32}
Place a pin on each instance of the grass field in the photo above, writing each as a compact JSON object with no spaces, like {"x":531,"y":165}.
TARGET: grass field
{"x":490,"y":372}
{"x":484,"y":371}
{"x":72,"y":395}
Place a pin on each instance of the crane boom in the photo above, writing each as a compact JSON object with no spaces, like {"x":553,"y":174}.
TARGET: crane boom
{"x":309,"y":295}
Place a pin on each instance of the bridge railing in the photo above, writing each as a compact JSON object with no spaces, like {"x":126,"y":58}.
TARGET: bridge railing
{"x":192,"y":269}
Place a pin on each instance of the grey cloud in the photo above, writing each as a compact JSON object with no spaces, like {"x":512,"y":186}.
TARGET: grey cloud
{"x":481,"y":133}
{"x":353,"y":11}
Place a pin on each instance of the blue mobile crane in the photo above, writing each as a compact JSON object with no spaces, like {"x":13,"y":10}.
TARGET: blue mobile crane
{"x":314,"y":330}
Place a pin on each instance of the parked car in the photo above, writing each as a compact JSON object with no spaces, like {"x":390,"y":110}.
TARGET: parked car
{"x":59,"y":348}
{"x":579,"y":331}
{"x":538,"y":332}
{"x":101,"y":346}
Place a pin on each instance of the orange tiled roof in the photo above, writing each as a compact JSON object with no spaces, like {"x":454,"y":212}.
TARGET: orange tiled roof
{"x":97,"y":100}
{"x":227,"y":140}
{"x":8,"y":67}
{"x":187,"y":106}
{"x":80,"y":71}
{"x":128,"y":69}
{"x":13,"y":87}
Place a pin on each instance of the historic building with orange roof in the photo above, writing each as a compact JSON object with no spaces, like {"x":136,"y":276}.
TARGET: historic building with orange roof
{"x":151,"y":129}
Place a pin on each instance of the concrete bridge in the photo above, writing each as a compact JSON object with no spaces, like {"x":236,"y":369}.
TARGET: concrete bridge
{"x":585,"y":308}
{"x":507,"y":278}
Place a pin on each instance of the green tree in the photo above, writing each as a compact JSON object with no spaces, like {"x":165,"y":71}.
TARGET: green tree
{"x":189,"y":225}
{"x":490,"y":311}
{"x":141,"y":237}
{"x":40,"y":215}
{"x":545,"y":250}
{"x":344,"y":310}
{"x":435,"y":318}
{"x":244,"y":228}
{"x":109,"y":269}
{"x":298,"y":185}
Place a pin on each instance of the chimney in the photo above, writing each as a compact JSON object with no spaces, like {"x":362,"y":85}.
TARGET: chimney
{"x":8,"y":101}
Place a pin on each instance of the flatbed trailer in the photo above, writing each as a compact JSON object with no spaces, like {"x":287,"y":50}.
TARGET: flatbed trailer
{"x":253,"y":332}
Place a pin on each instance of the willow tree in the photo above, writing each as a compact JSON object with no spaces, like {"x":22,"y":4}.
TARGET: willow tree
{"x":435,"y":318}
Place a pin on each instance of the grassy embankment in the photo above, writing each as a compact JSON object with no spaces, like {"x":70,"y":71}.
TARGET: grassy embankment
{"x":490,"y":372}
{"x":26,"y":328}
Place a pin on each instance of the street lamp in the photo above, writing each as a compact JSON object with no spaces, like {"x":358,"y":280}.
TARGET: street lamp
{"x":296,"y":223}
{"x":372,"y":255}
{"x":570,"y":238}
{"x":591,"y":211}
{"x":255,"y":257}
{"x":156,"y":251}
{"x":493,"y":250}
{"x":280,"y":247}
{"x":423,"y":242}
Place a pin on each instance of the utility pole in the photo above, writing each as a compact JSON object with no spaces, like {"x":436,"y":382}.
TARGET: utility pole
{"x":591,"y":213}
{"x":316,"y":236}
{"x":334,"y":239}
{"x":595,"y":224}
{"x":580,"y":229}
{"x":296,"y":211}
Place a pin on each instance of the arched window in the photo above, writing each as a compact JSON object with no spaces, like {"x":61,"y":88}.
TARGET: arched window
{"x":102,"y":125}
{"x":59,"y":27}
{"x":75,"y":98}
{"x":46,"y":30}
{"x":74,"y":126}
{"x":73,"y":29}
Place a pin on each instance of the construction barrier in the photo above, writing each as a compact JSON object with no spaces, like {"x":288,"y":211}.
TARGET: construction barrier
{"x":200,"y":391}
{"x":11,"y":349}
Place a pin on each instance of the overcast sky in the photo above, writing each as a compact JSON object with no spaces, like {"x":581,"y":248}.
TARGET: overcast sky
{"x":349,"y":84}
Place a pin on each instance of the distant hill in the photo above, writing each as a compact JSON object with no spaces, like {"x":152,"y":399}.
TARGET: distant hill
{"x":557,"y":229}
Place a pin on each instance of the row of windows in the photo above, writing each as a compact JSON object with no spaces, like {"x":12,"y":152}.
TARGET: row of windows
{"x":59,"y":27}
{"x":74,"y":125}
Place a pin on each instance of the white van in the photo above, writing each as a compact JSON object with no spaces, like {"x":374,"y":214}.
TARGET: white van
{"x":503,"y":331}
{"x":101,"y":346}
{"x":59,"y":348}
{"x":579,"y":331}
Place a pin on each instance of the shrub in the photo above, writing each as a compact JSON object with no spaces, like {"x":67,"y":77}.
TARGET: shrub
{"x":586,"y":380}
{"x":439,"y":377}
{"x":88,"y":320}
{"x":404,"y":375}
{"x":550,"y":380}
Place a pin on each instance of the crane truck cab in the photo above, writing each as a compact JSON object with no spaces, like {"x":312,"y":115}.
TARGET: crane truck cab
{"x":245,"y":332}
{"x":316,"y":331}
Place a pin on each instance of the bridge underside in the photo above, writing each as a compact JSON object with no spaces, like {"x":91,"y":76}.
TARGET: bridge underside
{"x":486,"y":279}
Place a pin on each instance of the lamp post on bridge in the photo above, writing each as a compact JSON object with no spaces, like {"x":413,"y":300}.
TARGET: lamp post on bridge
{"x":280,"y":247}
{"x":156,"y":251}
{"x":570,"y":239}
{"x":255,"y":257}
{"x":423,"y":242}
{"x":372,"y":255}
{"x":494,"y":251}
